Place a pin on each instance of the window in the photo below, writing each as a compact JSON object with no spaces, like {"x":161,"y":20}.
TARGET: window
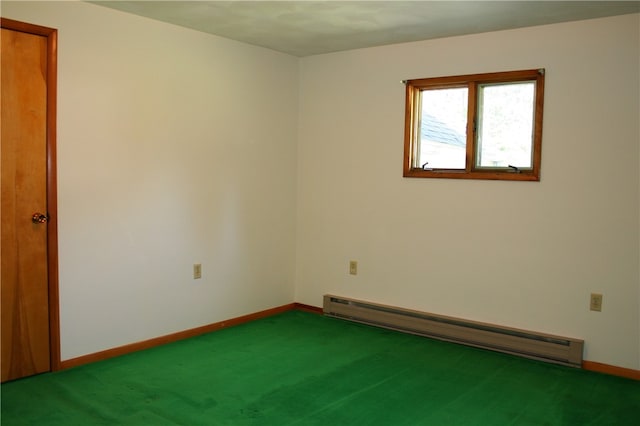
{"x":481,"y":126}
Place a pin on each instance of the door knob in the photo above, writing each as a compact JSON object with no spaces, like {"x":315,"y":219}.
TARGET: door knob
{"x":39,"y":218}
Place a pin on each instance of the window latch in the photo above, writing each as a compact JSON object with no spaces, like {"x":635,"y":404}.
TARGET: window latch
{"x":515,"y":169}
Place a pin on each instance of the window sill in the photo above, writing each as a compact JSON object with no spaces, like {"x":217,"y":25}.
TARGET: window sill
{"x":462,"y":174}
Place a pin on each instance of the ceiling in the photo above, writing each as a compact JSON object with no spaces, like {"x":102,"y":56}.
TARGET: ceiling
{"x":303,"y":28}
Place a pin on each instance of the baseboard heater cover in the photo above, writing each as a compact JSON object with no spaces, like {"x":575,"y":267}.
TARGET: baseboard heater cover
{"x":529,"y":344}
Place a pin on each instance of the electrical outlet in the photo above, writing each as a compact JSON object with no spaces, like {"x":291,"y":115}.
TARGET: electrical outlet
{"x":596,"y":302}
{"x":197,"y":271}
{"x":353,"y":267}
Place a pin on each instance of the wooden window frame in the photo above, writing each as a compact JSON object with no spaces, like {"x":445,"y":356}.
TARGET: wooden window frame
{"x":414,"y":89}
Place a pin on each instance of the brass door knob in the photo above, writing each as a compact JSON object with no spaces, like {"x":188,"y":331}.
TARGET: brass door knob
{"x":39,"y":218}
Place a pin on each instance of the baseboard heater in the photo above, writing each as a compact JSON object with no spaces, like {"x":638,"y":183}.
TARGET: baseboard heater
{"x":529,"y":344}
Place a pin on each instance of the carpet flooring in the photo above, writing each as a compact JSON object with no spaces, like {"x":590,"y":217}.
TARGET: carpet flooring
{"x":299,"y":368}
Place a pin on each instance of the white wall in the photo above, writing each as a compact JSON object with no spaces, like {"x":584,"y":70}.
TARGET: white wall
{"x":523,"y":254}
{"x":174,"y":147}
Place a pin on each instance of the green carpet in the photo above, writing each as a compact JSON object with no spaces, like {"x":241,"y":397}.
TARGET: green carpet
{"x":299,"y":368}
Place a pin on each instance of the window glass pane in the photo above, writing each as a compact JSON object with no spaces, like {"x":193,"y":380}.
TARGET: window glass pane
{"x":505,"y":125}
{"x":443,"y":128}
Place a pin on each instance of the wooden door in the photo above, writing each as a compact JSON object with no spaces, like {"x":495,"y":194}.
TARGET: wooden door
{"x":30,"y":342}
